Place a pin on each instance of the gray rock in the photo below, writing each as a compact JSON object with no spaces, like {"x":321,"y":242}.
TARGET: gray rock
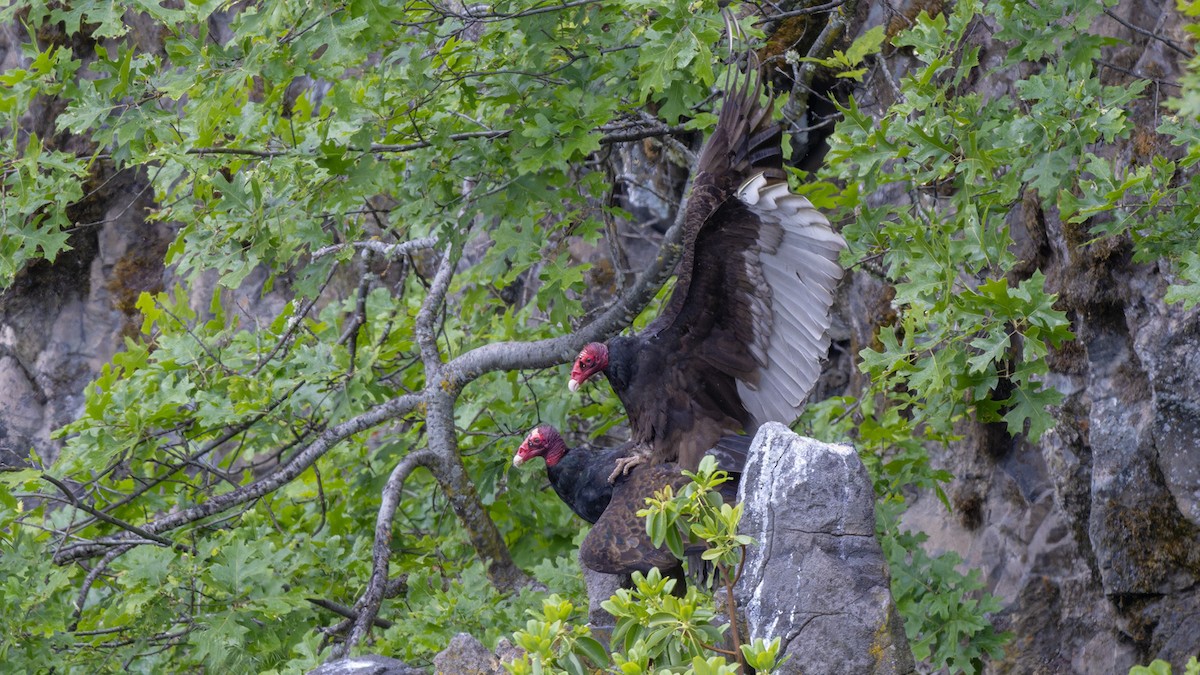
{"x":369,"y":664}
{"x":463,"y":656}
{"x":600,"y":587}
{"x":507,"y":651}
{"x":1142,"y":542}
{"x":21,"y":412}
{"x":817,"y":578}
{"x":466,"y":655}
{"x":1168,"y":350}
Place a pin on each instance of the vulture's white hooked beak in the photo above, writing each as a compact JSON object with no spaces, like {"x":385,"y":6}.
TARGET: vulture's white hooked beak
{"x":573,"y":384}
{"x":518,"y":460}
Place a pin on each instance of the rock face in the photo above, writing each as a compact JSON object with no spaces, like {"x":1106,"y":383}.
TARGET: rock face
{"x":466,"y":655}
{"x":818,"y":579}
{"x":1091,"y":537}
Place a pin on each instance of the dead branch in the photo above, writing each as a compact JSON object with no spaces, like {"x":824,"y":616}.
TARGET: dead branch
{"x":263,"y":486}
{"x":128,"y":527}
{"x":367,"y":608}
{"x":346,"y":612}
{"x":92,"y":575}
{"x":386,"y":250}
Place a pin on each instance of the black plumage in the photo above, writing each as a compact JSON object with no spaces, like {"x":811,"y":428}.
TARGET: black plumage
{"x":618,"y":542}
{"x":580,"y":476}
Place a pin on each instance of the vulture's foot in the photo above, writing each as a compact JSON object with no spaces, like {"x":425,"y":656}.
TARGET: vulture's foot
{"x":639,"y":455}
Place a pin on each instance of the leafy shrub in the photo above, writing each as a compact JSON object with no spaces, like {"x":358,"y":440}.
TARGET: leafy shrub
{"x":1160,"y":667}
{"x":655,"y":630}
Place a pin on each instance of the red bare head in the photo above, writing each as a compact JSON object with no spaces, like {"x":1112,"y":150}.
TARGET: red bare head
{"x":542,"y":441}
{"x":593,"y":359}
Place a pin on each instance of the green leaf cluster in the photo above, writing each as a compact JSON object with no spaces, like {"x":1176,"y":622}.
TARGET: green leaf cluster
{"x":946,"y":613}
{"x":698,"y":513}
{"x":1160,"y":667}
{"x":658,"y":630}
{"x":965,"y":330}
{"x":656,"y":633}
{"x":848,"y":64}
{"x":555,"y":640}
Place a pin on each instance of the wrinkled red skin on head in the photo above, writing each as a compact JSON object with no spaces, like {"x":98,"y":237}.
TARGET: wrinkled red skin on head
{"x":536,"y":444}
{"x":592,"y":360}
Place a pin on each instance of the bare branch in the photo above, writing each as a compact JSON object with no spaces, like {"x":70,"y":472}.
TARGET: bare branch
{"x":374,"y":147}
{"x":797,"y":103}
{"x":294,"y":324}
{"x":263,"y":486}
{"x":357,"y":319}
{"x":399,"y":148}
{"x":1142,"y":31}
{"x":93,"y":574}
{"x":128,"y":527}
{"x":409,"y":147}
{"x":423,"y":328}
{"x":367,"y":607}
{"x":530,"y":12}
{"x":637,"y":134}
{"x":816,"y":9}
{"x":346,"y":612}
{"x":553,"y":351}
{"x":386,"y":250}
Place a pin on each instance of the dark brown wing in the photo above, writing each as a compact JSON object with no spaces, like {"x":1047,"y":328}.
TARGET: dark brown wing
{"x":618,"y":543}
{"x":745,"y":329}
{"x":745,"y":142}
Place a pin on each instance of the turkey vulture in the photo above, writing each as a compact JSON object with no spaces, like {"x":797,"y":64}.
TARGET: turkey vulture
{"x":580,"y":478}
{"x":618,"y":542}
{"x":741,"y":339}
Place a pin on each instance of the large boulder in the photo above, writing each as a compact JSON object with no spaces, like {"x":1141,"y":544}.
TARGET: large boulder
{"x":817,"y":577}
{"x":368,"y":664}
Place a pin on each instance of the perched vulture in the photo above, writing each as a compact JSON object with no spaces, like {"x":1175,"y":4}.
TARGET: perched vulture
{"x":618,"y":543}
{"x":741,"y":339}
{"x":580,"y":478}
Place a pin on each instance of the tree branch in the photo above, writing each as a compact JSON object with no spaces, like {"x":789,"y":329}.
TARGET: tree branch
{"x":399,"y":148}
{"x":346,"y":612}
{"x":639,"y":133}
{"x":822,"y":47}
{"x":128,"y":527}
{"x":367,"y":608}
{"x":417,"y":145}
{"x":247,"y":493}
{"x":529,"y":12}
{"x":1142,"y":31}
{"x":386,"y":250}
{"x":423,"y":327}
{"x":92,"y":575}
{"x":829,"y":6}
{"x":553,"y":351}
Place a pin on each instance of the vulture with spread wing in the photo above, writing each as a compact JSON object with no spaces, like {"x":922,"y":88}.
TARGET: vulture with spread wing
{"x":618,"y":543}
{"x":742,"y":337}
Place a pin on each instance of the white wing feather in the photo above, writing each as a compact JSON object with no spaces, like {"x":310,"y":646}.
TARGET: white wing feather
{"x":801,"y":271}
